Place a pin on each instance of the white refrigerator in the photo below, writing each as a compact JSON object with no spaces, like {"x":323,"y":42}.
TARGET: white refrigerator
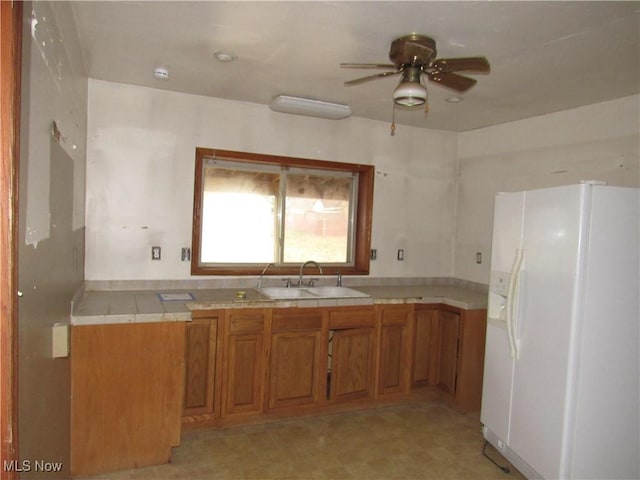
{"x":561,"y":384}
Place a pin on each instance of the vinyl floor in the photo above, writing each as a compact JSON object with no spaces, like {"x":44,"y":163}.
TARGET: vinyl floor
{"x":415,"y":440}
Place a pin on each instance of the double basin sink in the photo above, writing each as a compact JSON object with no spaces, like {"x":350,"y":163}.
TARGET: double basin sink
{"x":300,"y":293}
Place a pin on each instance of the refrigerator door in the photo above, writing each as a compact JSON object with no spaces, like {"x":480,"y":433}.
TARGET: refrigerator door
{"x":499,"y":365}
{"x":507,"y":230}
{"x":605,"y":439}
{"x":498,"y":380}
{"x":545,"y":322}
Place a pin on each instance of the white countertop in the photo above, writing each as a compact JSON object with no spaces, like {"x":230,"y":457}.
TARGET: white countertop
{"x":138,"y":306}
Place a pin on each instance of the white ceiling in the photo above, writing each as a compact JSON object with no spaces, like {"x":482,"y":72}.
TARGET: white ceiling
{"x":545,"y":56}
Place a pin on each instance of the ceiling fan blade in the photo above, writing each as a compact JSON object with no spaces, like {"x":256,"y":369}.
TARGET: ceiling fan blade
{"x":453,"y":80}
{"x":470,"y":64}
{"x":367,"y":65}
{"x":371,"y":77}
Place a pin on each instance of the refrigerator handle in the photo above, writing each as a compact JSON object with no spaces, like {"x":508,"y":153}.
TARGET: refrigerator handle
{"x":512,"y":301}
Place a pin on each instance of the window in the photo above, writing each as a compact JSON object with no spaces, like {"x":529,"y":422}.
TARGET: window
{"x":251,"y":210}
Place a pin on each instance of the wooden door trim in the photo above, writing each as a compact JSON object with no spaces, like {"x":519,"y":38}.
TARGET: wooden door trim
{"x":10,"y":69}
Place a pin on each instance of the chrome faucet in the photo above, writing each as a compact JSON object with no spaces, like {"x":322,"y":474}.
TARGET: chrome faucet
{"x":308,"y":262}
{"x":263,"y":272}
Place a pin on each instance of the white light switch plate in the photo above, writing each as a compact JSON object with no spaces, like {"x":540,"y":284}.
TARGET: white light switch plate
{"x":60,"y":341}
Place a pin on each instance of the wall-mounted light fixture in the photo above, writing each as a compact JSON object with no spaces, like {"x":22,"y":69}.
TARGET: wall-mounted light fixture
{"x":309,"y":107}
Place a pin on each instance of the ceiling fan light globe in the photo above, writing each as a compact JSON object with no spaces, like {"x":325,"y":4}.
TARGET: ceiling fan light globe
{"x":410,"y":94}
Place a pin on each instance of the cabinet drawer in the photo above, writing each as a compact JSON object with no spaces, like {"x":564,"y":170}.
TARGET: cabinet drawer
{"x":351,"y":319}
{"x":246,"y":322}
{"x":288,"y":322}
{"x":395,"y":314}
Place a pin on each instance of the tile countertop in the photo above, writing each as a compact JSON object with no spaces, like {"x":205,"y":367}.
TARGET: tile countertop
{"x":137,"y":306}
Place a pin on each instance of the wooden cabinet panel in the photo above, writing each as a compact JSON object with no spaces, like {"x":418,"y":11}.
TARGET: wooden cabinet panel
{"x":471,"y":359}
{"x":394,"y":368}
{"x":449,"y":332}
{"x":298,"y":363}
{"x":246,"y":353}
{"x":126,"y":395}
{"x":295,"y":368}
{"x":352,"y":372}
{"x":425,"y":346}
{"x":457,"y":340}
{"x":350,"y":317}
{"x":244,"y":381}
{"x":200,"y":364}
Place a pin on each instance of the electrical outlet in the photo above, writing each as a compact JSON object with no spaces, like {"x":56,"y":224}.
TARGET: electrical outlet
{"x":185,"y":254}
{"x":374,"y":254}
{"x":156,"y":253}
{"x":478,"y":257}
{"x":400,"y":254}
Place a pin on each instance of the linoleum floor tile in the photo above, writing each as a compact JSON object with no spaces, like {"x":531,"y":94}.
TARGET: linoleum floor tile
{"x":412,"y":441}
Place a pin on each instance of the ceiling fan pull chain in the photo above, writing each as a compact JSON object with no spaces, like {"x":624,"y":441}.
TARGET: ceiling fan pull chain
{"x":393,"y":119}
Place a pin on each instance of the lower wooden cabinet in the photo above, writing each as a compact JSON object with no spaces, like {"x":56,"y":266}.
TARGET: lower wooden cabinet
{"x":449,"y":347}
{"x":395,"y":347}
{"x":246,"y":362}
{"x":449,"y":353}
{"x":426,"y":323}
{"x":469,"y":364}
{"x":126,"y":395}
{"x":352,"y":354}
{"x":352,"y":364}
{"x":298,"y":363}
{"x":201,"y":336}
{"x":243,"y":382}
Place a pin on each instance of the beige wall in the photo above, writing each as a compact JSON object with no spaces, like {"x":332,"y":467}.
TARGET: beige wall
{"x":140,"y":173}
{"x":51,"y":225}
{"x":433,"y":194}
{"x":595,"y":142}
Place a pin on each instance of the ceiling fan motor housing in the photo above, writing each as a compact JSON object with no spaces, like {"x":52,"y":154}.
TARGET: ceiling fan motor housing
{"x":413,"y":49}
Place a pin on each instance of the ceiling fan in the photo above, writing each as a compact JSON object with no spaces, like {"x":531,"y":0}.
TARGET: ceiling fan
{"x":413,"y":55}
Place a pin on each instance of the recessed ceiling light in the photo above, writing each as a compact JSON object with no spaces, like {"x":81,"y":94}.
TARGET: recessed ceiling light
{"x":224,"y":56}
{"x":454,"y":99}
{"x":161,"y":73}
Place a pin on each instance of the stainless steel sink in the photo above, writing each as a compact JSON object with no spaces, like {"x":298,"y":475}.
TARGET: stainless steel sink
{"x":298,"y":293}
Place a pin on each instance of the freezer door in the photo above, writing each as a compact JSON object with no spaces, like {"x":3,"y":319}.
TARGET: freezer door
{"x":507,"y":230}
{"x":498,"y":364}
{"x":497,"y":382}
{"x":545,"y":322}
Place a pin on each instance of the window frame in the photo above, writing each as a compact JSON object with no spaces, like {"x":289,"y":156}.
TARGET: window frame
{"x":362,"y":219}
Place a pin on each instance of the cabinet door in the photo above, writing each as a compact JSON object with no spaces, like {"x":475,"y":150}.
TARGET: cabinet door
{"x":295,"y":368}
{"x":352,"y":364}
{"x":245,"y":369}
{"x":394,"y":366}
{"x":473,"y":328}
{"x":449,"y":334}
{"x":425,"y":346}
{"x":200,"y":364}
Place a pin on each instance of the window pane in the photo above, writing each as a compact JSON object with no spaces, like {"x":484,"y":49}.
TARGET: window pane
{"x":239,"y":216}
{"x":317,"y":212}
